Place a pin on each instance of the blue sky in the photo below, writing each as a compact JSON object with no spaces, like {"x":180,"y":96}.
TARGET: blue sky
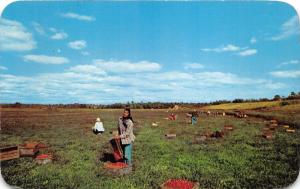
{"x":106,"y":52}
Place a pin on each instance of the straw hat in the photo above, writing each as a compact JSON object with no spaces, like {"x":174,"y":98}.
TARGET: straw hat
{"x":98,"y":119}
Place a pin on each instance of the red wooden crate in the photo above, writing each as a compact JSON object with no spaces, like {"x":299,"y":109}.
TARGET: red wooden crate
{"x":179,"y":184}
{"x":9,"y":152}
{"x":117,"y":169}
{"x":44,"y":158}
{"x":267,"y":135}
{"x":29,"y":149}
{"x":228,"y":127}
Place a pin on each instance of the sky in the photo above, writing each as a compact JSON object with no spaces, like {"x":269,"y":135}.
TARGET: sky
{"x":108,"y":52}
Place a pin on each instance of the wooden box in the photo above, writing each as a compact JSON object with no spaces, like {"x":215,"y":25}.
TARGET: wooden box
{"x":44,"y":159}
{"x":192,"y":185}
{"x":112,"y":170}
{"x":267,"y":135}
{"x":9,"y":152}
{"x":273,"y":126}
{"x":29,"y":149}
{"x":154,"y":124}
{"x":286,"y":126}
{"x":266,"y":129}
{"x":290,"y":130}
{"x":228,"y":127}
{"x":200,"y":139}
{"x":170,"y":136}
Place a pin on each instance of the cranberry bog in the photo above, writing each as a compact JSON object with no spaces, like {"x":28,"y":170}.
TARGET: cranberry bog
{"x":243,"y":158}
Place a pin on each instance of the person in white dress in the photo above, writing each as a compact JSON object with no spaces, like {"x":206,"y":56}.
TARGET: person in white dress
{"x":98,"y":128}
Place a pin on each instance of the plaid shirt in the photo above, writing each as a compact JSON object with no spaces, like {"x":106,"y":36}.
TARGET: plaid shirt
{"x":126,"y":134}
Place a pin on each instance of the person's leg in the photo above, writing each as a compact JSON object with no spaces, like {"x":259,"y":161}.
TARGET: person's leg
{"x":128,"y":152}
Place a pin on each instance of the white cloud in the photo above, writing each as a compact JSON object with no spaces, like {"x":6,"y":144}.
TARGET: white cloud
{"x":79,"y":44}
{"x":43,"y":59}
{"x":275,"y":86}
{"x":290,"y":28}
{"x":193,"y":66}
{"x":241,"y":51}
{"x":38,"y":28}
{"x":222,"y":78}
{"x":291,"y":62}
{"x":248,"y":52}
{"x":3,"y":68}
{"x":253,"y":40}
{"x":286,"y":74}
{"x":227,"y":48}
{"x":51,"y":32}
{"x":14,"y":37}
{"x":90,"y":69}
{"x":59,"y":36}
{"x":78,"y":16}
{"x":127,"y":66}
{"x":89,"y":84}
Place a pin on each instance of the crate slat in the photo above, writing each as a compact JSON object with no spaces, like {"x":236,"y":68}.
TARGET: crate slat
{"x":9,"y":152}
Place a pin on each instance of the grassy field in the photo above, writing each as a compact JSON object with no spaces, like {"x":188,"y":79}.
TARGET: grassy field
{"x":242,"y":106}
{"x":242,"y":159}
{"x":287,"y":112}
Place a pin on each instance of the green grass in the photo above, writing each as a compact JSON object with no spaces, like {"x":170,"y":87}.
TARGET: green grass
{"x":242,"y":159}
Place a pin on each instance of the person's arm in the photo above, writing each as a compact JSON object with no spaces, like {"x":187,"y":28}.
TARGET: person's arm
{"x":118,"y":127}
{"x":128,"y":130}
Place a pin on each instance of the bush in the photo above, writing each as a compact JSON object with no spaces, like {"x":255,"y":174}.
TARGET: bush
{"x":284,"y":103}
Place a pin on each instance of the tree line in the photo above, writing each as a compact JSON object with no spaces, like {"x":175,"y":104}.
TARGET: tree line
{"x":152,"y":105}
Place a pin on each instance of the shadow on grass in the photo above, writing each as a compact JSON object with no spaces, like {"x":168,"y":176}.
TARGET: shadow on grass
{"x":107,"y":157}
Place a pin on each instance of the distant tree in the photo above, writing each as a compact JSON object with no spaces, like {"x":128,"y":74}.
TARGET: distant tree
{"x":263,"y":99}
{"x":238,"y":100}
{"x":293,"y":94}
{"x":17,"y":105}
{"x":277,"y":97}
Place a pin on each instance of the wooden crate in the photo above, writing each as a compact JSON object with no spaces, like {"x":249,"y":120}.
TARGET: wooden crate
{"x":44,"y":160}
{"x":116,"y":171}
{"x":267,"y":135}
{"x":200,"y":139}
{"x":9,"y":152}
{"x":228,"y":127}
{"x":29,"y":149}
{"x":208,"y":133}
{"x":170,"y":136}
{"x":273,"y":126}
{"x":290,"y":130}
{"x":286,"y":126}
{"x":164,"y":185}
{"x":154,"y":124}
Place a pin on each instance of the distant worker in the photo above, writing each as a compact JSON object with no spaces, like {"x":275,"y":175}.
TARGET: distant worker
{"x":193,"y":119}
{"x":98,"y":128}
{"x":172,"y":116}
